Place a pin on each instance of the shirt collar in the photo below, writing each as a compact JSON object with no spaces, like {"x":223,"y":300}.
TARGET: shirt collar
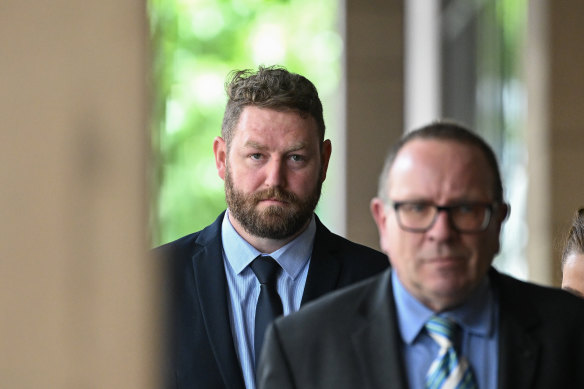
{"x":476,"y":315}
{"x":292,"y":257}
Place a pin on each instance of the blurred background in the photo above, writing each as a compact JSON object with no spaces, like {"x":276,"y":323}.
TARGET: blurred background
{"x":108,"y":112}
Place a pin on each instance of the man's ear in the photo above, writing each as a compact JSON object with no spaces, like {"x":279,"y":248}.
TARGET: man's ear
{"x":504,"y":212}
{"x":220,"y":151}
{"x":501,"y":213}
{"x":379,"y":213}
{"x":327,"y":149}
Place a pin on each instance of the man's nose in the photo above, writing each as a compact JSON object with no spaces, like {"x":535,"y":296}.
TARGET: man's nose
{"x":275,"y":175}
{"x":442,"y":229}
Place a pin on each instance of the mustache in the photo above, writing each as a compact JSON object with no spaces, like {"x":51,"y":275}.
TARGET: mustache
{"x":275,"y":193}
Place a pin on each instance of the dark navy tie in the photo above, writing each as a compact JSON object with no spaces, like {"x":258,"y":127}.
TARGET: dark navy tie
{"x":269,"y":304}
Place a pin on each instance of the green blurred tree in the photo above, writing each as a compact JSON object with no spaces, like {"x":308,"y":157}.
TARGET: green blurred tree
{"x":196,"y":43}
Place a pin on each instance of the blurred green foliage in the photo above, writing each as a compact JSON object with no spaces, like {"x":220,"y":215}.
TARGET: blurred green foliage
{"x":195,"y":44}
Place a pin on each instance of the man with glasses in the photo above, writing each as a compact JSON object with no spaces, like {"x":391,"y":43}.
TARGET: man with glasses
{"x":442,"y":317}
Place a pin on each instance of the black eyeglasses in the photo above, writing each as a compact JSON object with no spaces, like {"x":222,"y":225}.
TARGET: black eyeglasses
{"x":415,"y":216}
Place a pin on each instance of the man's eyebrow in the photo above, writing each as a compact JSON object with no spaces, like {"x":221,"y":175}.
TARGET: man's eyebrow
{"x":260,"y":146}
{"x":573,"y":291}
{"x":296,"y":147}
{"x":255,"y":145}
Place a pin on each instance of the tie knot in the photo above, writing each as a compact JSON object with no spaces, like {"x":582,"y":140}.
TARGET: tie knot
{"x":265,"y":269}
{"x":442,"y":327}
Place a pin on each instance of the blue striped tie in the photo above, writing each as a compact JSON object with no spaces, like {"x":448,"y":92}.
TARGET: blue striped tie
{"x":447,"y":371}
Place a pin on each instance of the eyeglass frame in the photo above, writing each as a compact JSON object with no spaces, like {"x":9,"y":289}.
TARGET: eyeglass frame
{"x":489,"y":208}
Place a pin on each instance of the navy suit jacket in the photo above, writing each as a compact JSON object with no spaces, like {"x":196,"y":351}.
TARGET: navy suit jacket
{"x":350,"y":339}
{"x":200,"y":346}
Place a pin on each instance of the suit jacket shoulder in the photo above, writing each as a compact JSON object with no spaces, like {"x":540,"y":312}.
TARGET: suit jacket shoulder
{"x":183,"y":248}
{"x":350,"y":339}
{"x":541,"y":339}
{"x":346,"y":339}
{"x":201,"y":347}
{"x":337,"y":262}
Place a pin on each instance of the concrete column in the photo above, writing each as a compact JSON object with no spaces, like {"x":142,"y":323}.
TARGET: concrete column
{"x":374,"y":103}
{"x":555,"y":130}
{"x":76,"y":288}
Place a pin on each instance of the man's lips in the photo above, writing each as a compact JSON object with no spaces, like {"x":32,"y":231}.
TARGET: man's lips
{"x":445,"y":260}
{"x":273,"y":201}
{"x":440,"y":258}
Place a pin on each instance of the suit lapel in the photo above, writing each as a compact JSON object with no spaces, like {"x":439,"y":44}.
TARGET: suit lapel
{"x":376,"y":340}
{"x":211,"y":286}
{"x":323,"y":273}
{"x":519,"y":348}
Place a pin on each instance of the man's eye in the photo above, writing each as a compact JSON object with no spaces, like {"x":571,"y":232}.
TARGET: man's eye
{"x":415,"y":207}
{"x":466,"y":208}
{"x":256,"y":156}
{"x":297,"y":158}
{"x":419,"y":207}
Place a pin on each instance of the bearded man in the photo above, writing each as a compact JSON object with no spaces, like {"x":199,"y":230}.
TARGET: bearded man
{"x":267,"y":254}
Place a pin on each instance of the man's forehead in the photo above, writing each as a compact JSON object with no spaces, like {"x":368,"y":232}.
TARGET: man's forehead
{"x":435,"y":150}
{"x":423,"y":164}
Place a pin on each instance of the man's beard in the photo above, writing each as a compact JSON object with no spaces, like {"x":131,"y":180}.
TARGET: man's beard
{"x":273,"y":222}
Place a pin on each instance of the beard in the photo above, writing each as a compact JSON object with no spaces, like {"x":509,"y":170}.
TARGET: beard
{"x":275,"y":221}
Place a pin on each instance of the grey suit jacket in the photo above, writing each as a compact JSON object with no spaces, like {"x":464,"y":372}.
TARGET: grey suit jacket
{"x":350,"y":339}
{"x":200,"y":347}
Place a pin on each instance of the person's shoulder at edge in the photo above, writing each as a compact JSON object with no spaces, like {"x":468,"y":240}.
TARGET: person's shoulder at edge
{"x":188,"y":241}
{"x":542,"y":297}
{"x":344,"y":246}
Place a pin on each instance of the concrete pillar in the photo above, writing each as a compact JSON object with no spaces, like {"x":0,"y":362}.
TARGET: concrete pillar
{"x":76,"y":288}
{"x":555,"y":130}
{"x":374,"y":104}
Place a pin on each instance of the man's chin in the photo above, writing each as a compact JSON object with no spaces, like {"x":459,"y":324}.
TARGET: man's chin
{"x":277,"y":225}
{"x":281,"y":211}
{"x":273,"y":221}
{"x":269,"y":230}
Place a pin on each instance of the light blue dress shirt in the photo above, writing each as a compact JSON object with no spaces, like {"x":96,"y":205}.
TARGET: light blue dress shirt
{"x":478,"y":318}
{"x":244,"y":288}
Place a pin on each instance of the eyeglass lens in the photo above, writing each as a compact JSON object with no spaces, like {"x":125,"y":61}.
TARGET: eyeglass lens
{"x":464,"y":217}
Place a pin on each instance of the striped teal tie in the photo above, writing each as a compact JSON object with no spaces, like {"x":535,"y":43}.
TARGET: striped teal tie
{"x":447,"y":371}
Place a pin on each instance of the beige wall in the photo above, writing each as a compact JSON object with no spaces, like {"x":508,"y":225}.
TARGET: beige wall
{"x":75,"y":285}
{"x":555,"y":130}
{"x":374,"y":112}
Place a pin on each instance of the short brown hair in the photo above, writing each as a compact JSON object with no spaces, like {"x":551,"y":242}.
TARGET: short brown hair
{"x":575,"y":239}
{"x":271,"y":87}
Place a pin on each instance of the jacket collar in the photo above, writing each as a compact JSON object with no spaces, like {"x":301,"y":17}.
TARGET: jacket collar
{"x":380,"y":359}
{"x":211,"y":285}
{"x":382,"y":366}
{"x":323,"y":273}
{"x":519,"y":346}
